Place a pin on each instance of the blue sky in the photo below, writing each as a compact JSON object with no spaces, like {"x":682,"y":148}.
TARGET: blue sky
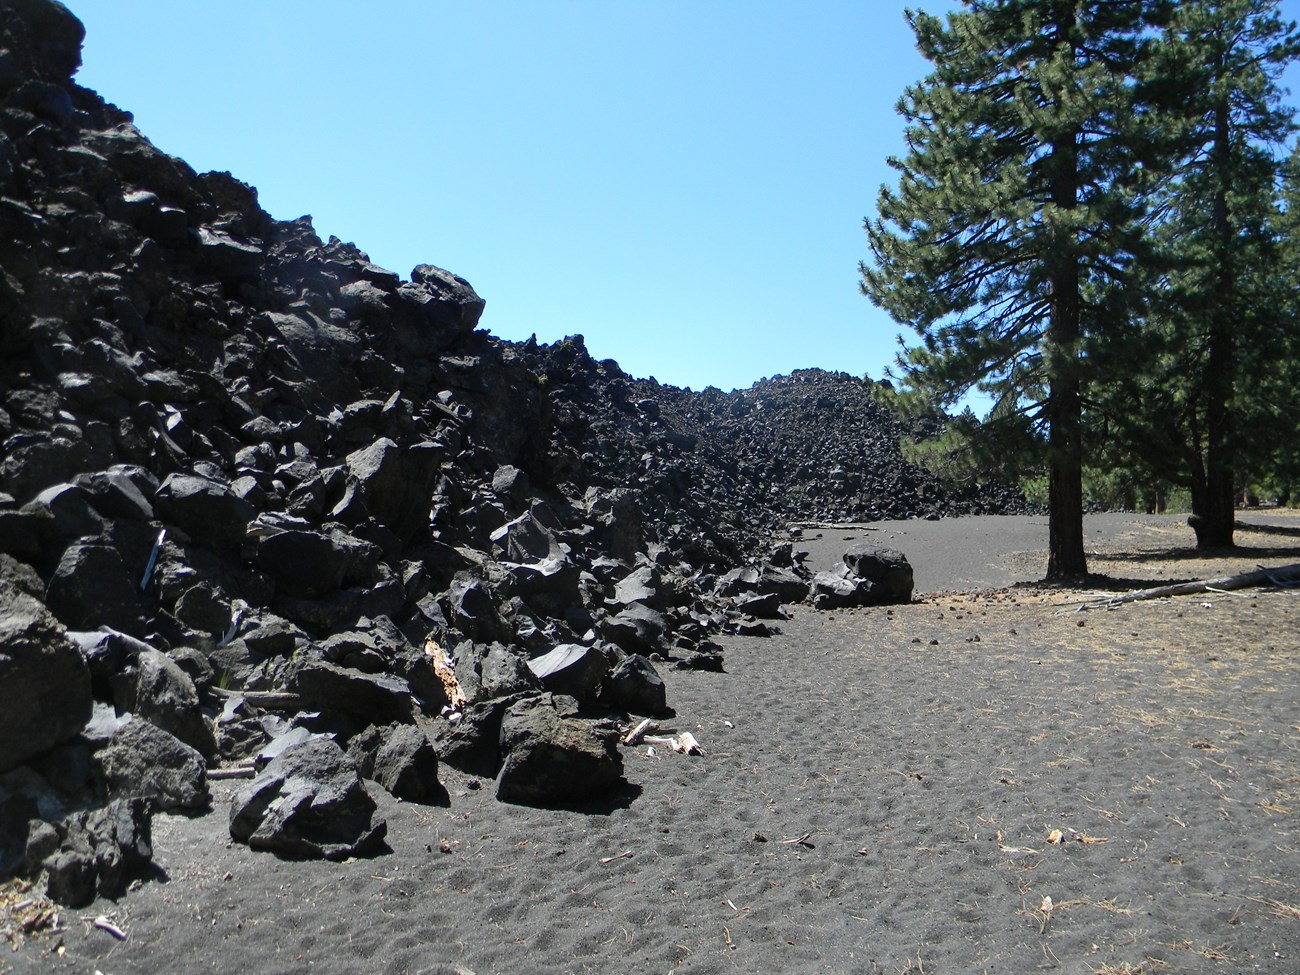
{"x":681,"y":181}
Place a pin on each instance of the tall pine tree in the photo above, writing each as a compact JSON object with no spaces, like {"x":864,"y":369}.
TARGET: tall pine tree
{"x":1018,"y":215}
{"x":1214,"y":319}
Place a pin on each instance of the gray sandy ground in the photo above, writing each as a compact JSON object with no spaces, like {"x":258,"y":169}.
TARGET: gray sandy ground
{"x":994,"y":551}
{"x":880,"y":793}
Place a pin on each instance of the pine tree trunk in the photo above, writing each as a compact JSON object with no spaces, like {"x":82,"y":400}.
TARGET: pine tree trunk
{"x":1065,"y":554}
{"x":1214,"y":511}
{"x":1213,"y":519}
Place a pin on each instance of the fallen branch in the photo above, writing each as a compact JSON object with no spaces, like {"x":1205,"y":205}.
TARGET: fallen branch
{"x":104,"y":924}
{"x":639,"y":732}
{"x":837,"y":526}
{"x":266,"y":700}
{"x":234,"y":772}
{"x":445,"y":670}
{"x":1283,"y":577}
{"x":684,"y":743}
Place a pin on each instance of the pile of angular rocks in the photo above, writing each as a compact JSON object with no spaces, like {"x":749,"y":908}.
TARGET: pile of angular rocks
{"x":269,"y":510}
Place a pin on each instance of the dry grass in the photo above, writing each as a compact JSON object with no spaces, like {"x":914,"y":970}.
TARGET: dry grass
{"x":1279,"y":909}
{"x":25,"y":912}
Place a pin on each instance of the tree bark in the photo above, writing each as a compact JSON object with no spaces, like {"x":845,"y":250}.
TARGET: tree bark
{"x":1065,"y":554}
{"x":1214,"y":511}
{"x":1214,"y":519}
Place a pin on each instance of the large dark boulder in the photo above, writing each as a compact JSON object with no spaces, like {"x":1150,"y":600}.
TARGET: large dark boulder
{"x":887,"y":569}
{"x":554,"y":760}
{"x":374,"y":697}
{"x":635,"y":686}
{"x":308,"y":801}
{"x":108,"y":653}
{"x":489,"y":671}
{"x":558,"y":579}
{"x":143,"y":760}
{"x":303,"y":563}
{"x":69,"y":510}
{"x":639,"y":586}
{"x":739,"y":581}
{"x":115,"y":493}
{"x":99,"y":850}
{"x":472,"y":610}
{"x":402,"y":760}
{"x":525,"y":539}
{"x":472,"y":744}
{"x":203,"y":610}
{"x":839,"y":589}
{"x":767,"y":580}
{"x":45,"y":693}
{"x":44,"y":39}
{"x":767,"y":606}
{"x":637,"y":629}
{"x":783,"y":582}
{"x":166,"y":696}
{"x":437,"y":307}
{"x":393,"y":485}
{"x":510,"y":484}
{"x":572,"y":669}
{"x":205,"y":509}
{"x":868,"y":576}
{"x":91,"y":587}
{"x":219,"y":254}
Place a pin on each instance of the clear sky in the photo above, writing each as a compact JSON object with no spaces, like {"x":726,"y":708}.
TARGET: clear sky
{"x":681,"y":181}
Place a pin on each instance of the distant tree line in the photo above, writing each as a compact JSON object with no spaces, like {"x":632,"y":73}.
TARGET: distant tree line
{"x":1094,"y":224}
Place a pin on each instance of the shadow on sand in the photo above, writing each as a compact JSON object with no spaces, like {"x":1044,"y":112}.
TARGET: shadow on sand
{"x":1290,"y":531}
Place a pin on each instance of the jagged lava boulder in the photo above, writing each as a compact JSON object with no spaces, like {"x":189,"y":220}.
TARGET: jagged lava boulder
{"x":308,"y":801}
{"x":45,"y":694}
{"x":552,"y":758}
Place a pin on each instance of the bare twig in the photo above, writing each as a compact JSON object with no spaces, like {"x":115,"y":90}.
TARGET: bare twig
{"x":104,"y":924}
{"x":798,"y":841}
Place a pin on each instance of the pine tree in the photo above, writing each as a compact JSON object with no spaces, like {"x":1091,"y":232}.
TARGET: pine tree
{"x":1214,"y":317}
{"x":1018,"y":215}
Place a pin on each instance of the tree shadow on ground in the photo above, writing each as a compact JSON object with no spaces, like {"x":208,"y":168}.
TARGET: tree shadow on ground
{"x":1099,"y":582}
{"x":1103,"y":582}
{"x":1146,"y":556}
{"x":1291,"y":531}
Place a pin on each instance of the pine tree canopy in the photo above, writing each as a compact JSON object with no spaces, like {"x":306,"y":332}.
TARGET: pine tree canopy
{"x":1027,"y":156}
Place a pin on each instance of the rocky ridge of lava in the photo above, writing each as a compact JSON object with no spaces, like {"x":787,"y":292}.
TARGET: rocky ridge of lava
{"x":270,"y":509}
{"x":809,"y":446}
